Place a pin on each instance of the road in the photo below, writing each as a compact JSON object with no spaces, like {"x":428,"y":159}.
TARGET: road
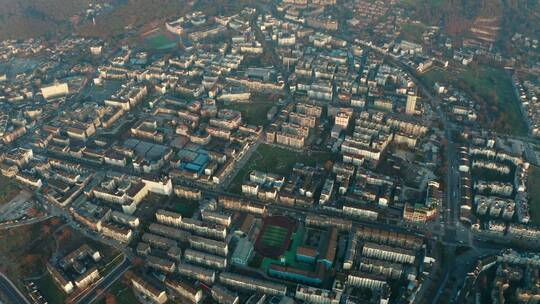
{"x":454,"y":232}
{"x":24,"y":223}
{"x":14,"y":296}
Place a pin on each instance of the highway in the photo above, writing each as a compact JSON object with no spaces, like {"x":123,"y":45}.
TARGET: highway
{"x":14,"y":296}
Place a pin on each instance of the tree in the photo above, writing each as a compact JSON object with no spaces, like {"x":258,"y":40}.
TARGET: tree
{"x":137,"y":261}
{"x":328,"y":165}
{"x":46,"y":229}
{"x":30,"y":259}
{"x":110,"y":299}
{"x":55,"y":221}
{"x":32,"y":212}
{"x":65,"y":234}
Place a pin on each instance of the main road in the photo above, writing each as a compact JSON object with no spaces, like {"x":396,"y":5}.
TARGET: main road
{"x":8,"y":289}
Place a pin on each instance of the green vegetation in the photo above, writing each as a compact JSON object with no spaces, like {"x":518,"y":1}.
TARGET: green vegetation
{"x":253,"y":113}
{"x":8,"y":189}
{"x":534,"y":188}
{"x":50,"y":289}
{"x":494,"y":87}
{"x":491,"y":88}
{"x":277,"y":160}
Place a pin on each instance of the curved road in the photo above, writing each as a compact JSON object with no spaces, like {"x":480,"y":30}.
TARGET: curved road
{"x":13,"y":295}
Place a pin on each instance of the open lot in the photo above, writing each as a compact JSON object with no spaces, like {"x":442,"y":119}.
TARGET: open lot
{"x":253,"y":113}
{"x":268,"y":158}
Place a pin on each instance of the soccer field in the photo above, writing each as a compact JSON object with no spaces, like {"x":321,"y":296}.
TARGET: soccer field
{"x":274,"y":236}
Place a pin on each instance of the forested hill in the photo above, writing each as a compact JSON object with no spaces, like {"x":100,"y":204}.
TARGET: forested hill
{"x":38,"y":18}
{"x":34,"y":18}
{"x":458,"y":16}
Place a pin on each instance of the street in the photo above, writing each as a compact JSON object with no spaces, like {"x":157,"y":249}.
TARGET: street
{"x":13,"y":295}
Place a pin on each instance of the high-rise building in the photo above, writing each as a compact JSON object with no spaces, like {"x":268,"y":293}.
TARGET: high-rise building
{"x":411,"y":104}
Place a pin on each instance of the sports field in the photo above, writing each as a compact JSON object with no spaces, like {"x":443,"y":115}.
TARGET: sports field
{"x":274,"y":236}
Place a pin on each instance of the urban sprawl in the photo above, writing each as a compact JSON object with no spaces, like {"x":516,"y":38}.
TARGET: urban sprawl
{"x":267,"y":157}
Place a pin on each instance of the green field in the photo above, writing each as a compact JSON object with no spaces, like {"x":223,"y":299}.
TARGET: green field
{"x":253,"y":113}
{"x":491,"y":88}
{"x":412,"y":32}
{"x":534,"y":189}
{"x":274,"y":236}
{"x":159,"y":41}
{"x":276,"y":160}
{"x":50,"y":289}
{"x":8,"y":189}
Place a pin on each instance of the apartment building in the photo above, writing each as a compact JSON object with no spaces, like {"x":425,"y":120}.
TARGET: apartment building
{"x":388,"y":253}
{"x":252,"y":284}
{"x":169,"y":218}
{"x":153,"y":293}
{"x":202,"y":258}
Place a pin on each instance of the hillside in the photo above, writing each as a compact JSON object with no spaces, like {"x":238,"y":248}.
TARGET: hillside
{"x":483,"y":21}
{"x":37,"y":18}
{"x":133,"y":14}
{"x":33,"y":18}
